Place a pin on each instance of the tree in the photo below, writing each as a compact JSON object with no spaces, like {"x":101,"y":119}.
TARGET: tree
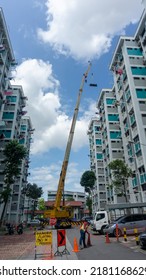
{"x":34,"y":192}
{"x":41,"y":204}
{"x":88,"y":180}
{"x":121,"y":172}
{"x":70,"y":199}
{"x":14,"y":153}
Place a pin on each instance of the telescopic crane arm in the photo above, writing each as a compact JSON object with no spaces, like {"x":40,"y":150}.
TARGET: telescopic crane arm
{"x":69,"y":144}
{"x":59,"y":212}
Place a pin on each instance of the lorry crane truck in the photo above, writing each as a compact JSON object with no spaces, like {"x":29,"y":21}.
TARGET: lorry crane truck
{"x":58,"y":211}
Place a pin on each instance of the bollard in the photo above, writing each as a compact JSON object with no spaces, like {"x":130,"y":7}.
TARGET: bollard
{"x":107,"y":239}
{"x":125,"y":235}
{"x":88,"y":240}
{"x":136,"y":236}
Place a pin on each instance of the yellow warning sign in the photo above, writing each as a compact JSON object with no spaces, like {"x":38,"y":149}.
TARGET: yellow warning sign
{"x":43,"y":238}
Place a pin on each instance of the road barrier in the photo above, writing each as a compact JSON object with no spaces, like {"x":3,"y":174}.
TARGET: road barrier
{"x":61,"y":241}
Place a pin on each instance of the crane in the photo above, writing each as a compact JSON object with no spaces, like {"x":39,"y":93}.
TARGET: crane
{"x":57,"y":211}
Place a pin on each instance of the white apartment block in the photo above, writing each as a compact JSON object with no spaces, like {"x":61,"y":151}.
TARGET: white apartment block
{"x":68,"y":195}
{"x":122,"y":112}
{"x":97,"y":165}
{"x":14,"y":124}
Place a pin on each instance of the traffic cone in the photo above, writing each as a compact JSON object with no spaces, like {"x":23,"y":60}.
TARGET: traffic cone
{"x":88,"y":240}
{"x":76,"y":248}
{"x":107,"y":239}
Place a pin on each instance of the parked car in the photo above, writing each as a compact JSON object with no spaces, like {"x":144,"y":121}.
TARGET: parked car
{"x":34,"y":222}
{"x":142,"y":239}
{"x":130,"y":222}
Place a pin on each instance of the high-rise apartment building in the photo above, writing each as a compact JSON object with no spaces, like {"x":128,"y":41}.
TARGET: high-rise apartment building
{"x":13,"y":124}
{"x":122,"y":112}
{"x":97,"y":165}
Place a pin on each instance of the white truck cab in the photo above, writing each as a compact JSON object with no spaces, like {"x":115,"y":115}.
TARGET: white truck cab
{"x":100,"y":221}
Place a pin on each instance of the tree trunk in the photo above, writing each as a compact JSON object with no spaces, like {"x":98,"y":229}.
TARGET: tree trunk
{"x":3,"y":212}
{"x":125,"y":191}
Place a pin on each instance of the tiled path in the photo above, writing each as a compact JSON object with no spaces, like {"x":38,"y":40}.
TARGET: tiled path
{"x":12,"y":247}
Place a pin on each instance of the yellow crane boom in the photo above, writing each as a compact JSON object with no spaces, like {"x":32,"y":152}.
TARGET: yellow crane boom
{"x":57,"y":211}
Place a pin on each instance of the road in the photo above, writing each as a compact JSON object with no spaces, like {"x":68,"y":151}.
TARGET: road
{"x":100,"y":250}
{"x":22,"y":247}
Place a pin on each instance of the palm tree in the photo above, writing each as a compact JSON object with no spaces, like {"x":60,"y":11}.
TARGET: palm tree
{"x":14,"y":153}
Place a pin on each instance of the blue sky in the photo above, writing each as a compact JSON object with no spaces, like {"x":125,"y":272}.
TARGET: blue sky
{"x":52,"y":41}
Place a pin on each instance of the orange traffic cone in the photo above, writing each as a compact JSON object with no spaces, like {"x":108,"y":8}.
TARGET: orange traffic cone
{"x":88,"y":240}
{"x":76,"y":248}
{"x":107,"y":239}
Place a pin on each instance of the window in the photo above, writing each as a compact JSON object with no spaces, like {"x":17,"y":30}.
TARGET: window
{"x":100,"y":216}
{"x":126,"y":220}
{"x":137,"y":218}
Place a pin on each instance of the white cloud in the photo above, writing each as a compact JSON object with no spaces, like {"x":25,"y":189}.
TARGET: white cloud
{"x":84,"y":29}
{"x":47,"y":177}
{"x":51,"y":124}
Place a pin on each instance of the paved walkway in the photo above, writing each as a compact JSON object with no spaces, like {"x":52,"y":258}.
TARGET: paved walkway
{"x":22,"y":247}
{"x":13,"y":247}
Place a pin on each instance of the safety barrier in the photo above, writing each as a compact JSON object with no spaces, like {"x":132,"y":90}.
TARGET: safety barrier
{"x":71,"y":223}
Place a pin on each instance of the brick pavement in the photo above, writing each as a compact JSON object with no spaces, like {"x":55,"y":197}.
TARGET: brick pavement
{"x":22,"y":247}
{"x":13,"y":247}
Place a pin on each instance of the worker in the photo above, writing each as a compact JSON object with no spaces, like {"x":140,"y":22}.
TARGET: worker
{"x":83,"y":230}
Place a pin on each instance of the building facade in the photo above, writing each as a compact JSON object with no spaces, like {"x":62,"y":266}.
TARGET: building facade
{"x":97,"y":164}
{"x":68,"y":195}
{"x":14,"y":124}
{"x":122,"y":112}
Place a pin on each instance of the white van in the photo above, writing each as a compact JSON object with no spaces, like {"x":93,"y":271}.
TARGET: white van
{"x":100,"y":221}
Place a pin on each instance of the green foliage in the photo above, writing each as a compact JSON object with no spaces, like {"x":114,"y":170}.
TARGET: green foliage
{"x":5,"y":194}
{"x":41,"y":204}
{"x":121,"y":172}
{"x":70,"y":199}
{"x":88,"y":180}
{"x":14,"y":153}
{"x":33,"y":191}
